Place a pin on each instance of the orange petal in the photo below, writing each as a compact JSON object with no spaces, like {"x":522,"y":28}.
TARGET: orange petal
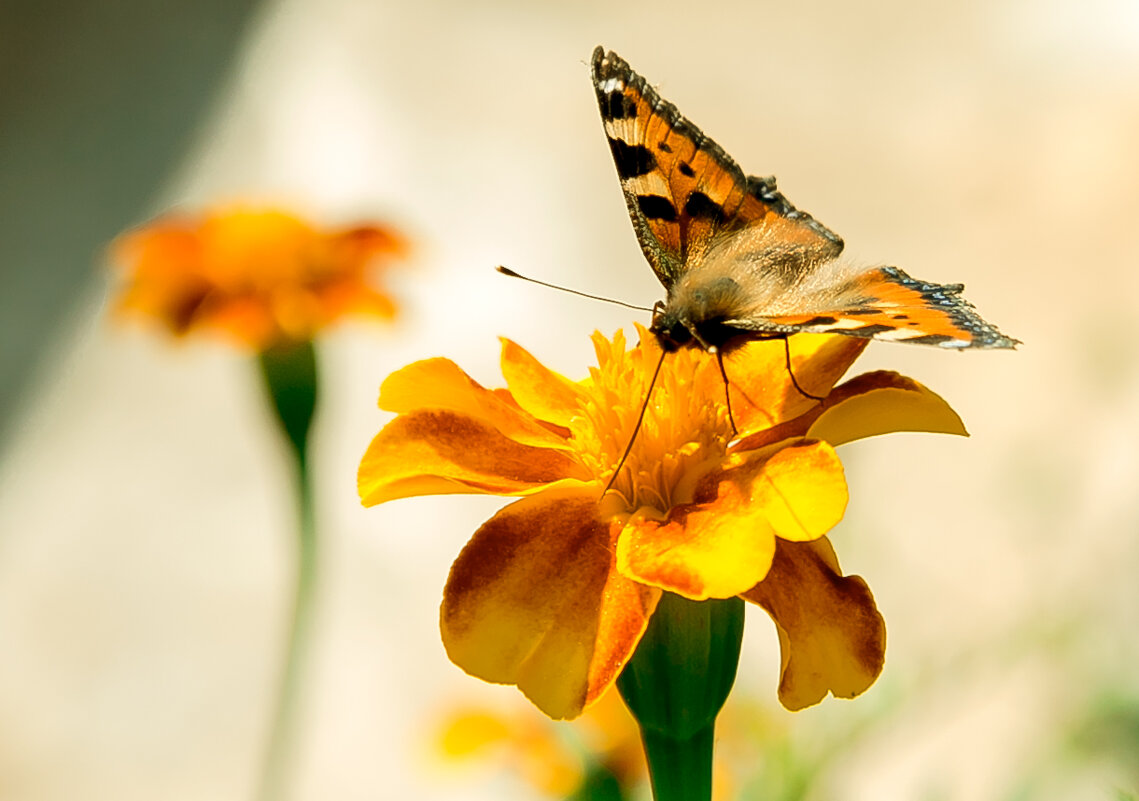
{"x":437,"y":452}
{"x":365,"y":301}
{"x":533,"y":600}
{"x":724,"y":543}
{"x":537,"y":389}
{"x":441,"y":384}
{"x":881,"y":403}
{"x":831,"y":635}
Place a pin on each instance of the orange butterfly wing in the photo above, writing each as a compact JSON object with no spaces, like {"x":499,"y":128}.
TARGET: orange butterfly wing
{"x":688,"y":200}
{"x":682,"y":190}
{"x":888,"y":304}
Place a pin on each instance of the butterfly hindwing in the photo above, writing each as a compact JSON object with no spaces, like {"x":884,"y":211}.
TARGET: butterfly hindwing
{"x":682,"y":190}
{"x":885,"y":303}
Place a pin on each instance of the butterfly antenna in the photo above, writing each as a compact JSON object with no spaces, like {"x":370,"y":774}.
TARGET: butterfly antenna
{"x":512,"y":274}
{"x":790,"y":372}
{"x":727,"y":390}
{"x":637,"y":427}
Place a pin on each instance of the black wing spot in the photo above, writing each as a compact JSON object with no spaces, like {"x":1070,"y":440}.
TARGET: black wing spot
{"x":655,"y":207}
{"x":870,"y":330}
{"x":701,"y":206}
{"x":665,"y":147}
{"x":931,"y":339}
{"x":618,"y":106}
{"x":860,"y":312}
{"x":686,"y":169}
{"x":901,"y":317}
{"x":632,"y":160}
{"x":820,"y":321}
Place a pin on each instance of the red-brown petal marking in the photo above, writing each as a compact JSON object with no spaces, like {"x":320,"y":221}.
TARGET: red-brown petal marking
{"x":438,"y":452}
{"x":831,"y":635}
{"x":533,"y":600}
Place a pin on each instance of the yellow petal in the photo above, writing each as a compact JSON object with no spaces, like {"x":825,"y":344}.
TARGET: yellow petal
{"x":713,"y":550}
{"x":472,"y":731}
{"x":802,"y":491}
{"x":881,"y":403}
{"x":831,"y":636}
{"x":437,"y":452}
{"x":441,"y":384}
{"x":537,"y":389}
{"x":533,"y":600}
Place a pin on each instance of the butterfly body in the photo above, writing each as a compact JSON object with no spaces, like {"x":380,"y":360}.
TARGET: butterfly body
{"x":738,"y":260}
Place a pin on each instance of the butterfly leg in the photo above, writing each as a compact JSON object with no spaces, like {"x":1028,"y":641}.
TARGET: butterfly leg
{"x":637,"y":427}
{"x":727,"y":389}
{"x":790,"y":372}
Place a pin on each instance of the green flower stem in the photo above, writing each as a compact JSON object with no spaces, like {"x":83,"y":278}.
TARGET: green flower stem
{"x":599,"y":784}
{"x":675,"y":686}
{"x":290,"y":376}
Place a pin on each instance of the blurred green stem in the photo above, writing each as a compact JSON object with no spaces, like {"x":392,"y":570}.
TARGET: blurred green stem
{"x":290,"y":376}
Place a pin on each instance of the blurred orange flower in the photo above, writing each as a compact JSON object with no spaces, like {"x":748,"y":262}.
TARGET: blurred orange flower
{"x":555,"y":591}
{"x":260,"y":277}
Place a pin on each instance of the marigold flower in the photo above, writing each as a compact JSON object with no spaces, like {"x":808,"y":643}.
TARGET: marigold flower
{"x":554,"y":592}
{"x":260,"y":277}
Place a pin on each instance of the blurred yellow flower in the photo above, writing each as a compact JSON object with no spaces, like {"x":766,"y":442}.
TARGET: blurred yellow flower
{"x":260,"y":277}
{"x":555,"y":762}
{"x":524,"y":744}
{"x":554,"y":592}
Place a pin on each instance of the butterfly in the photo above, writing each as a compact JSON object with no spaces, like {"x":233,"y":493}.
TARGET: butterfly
{"x":738,"y":261}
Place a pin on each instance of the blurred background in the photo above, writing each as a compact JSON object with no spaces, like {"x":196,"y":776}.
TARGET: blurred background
{"x":145,"y":507}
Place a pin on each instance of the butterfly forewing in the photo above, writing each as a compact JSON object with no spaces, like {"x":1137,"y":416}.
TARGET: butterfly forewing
{"x":682,"y":190}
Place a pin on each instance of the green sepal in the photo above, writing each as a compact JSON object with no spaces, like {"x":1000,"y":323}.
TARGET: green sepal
{"x":289,"y":371}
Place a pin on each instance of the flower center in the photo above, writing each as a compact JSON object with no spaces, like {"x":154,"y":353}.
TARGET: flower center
{"x":684,"y":432}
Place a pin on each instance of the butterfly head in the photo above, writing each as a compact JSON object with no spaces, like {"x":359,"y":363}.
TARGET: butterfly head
{"x":699,"y":314}
{"x":671,"y":332}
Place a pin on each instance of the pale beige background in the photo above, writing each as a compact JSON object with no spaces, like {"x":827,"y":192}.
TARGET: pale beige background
{"x":144,"y":518}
